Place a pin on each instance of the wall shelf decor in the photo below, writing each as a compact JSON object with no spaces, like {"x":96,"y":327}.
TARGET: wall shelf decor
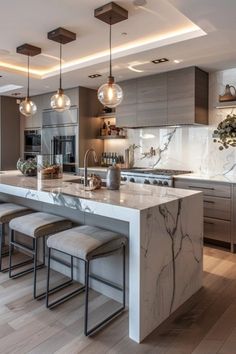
{"x":229,"y":94}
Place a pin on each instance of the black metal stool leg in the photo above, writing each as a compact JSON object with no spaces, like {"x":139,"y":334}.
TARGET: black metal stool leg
{"x":48,"y":278}
{"x":86,"y":298}
{"x":1,"y":245}
{"x":44,"y":250}
{"x":124,"y":274}
{"x":90,"y":331}
{"x":10,"y":252}
{"x":4,"y":250}
{"x":35,"y":243}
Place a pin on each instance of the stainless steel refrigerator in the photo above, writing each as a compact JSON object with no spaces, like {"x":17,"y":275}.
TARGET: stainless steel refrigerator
{"x":60,"y":135}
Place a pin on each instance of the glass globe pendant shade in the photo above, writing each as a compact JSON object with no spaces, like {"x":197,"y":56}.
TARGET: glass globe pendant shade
{"x":60,"y":102}
{"x":27,"y":107}
{"x":110,"y":94}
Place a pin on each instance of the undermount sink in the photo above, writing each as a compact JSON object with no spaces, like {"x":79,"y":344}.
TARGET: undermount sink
{"x":80,"y":180}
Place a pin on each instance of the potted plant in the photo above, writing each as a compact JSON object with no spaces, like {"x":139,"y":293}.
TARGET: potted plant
{"x":225,"y":134}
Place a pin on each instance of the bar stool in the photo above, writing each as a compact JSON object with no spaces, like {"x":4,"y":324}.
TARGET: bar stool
{"x":87,"y":243}
{"x":36,"y":226}
{"x":8,"y":211}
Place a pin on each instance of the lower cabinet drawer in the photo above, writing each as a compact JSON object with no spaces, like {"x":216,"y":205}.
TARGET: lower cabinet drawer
{"x":208,"y":188}
{"x":216,"y":229}
{"x":219,"y":208}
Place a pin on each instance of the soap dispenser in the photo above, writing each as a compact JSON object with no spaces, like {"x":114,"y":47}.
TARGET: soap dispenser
{"x":113,"y":177}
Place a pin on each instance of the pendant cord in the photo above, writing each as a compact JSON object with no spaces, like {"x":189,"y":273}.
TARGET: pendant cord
{"x":110,"y":48}
{"x":60,"y":66}
{"x":28,"y":79}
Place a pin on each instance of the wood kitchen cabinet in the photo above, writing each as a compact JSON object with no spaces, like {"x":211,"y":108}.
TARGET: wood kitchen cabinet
{"x":173,"y":98}
{"x":218,"y":208}
{"x":9,"y":130}
{"x":187,"y":96}
{"x":126,"y":112}
{"x":152,"y":100}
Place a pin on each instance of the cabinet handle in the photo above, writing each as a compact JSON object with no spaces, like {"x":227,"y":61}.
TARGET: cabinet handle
{"x":207,"y":188}
{"x":209,"y":223}
{"x":209,"y":201}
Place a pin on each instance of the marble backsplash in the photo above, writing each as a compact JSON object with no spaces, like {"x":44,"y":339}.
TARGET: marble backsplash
{"x":185,"y":148}
{"x":188,"y":147}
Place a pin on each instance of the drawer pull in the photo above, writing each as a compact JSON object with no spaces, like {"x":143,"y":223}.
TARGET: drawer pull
{"x":209,"y":201}
{"x":209,"y":223}
{"x":207,"y":188}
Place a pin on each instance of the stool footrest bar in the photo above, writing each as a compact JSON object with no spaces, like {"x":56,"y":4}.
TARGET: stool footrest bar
{"x":106,"y":282}
{"x":65,"y":298}
{"x":55,"y":289}
{"x":24,"y":272}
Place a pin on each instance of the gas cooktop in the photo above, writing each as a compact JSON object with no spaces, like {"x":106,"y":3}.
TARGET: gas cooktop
{"x":155,"y":176}
{"x":154,"y":171}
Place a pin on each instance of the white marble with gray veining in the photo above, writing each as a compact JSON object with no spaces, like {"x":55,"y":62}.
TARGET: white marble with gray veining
{"x":165,"y":238}
{"x":230,"y":179}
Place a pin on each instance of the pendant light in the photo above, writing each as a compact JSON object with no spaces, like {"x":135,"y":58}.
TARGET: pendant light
{"x":110,"y":94}
{"x":27,"y":107}
{"x":61,"y":102}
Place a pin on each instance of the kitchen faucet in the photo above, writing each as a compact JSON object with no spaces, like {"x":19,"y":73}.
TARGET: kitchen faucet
{"x":86,"y":164}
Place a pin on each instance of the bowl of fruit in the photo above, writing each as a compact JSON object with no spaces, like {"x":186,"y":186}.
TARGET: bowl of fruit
{"x":49,"y":166}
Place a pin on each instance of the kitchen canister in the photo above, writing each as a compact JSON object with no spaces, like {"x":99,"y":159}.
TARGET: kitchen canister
{"x":113,"y":177}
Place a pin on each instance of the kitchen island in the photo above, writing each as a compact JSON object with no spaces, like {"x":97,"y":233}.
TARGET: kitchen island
{"x":164,"y":227}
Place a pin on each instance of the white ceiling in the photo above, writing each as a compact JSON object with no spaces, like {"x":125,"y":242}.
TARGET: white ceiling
{"x":196,"y":32}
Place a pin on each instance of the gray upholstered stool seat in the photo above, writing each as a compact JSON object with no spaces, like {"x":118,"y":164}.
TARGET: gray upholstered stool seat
{"x":39,"y":224}
{"x":8,"y":211}
{"x":35,"y":226}
{"x":87,"y":243}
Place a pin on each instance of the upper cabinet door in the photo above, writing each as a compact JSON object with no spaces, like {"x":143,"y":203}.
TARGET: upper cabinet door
{"x":73,"y":94}
{"x":36,"y":120}
{"x":152,"y":101}
{"x":181,"y":96}
{"x":126,"y":111}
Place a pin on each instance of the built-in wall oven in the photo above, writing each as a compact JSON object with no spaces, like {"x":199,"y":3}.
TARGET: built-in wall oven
{"x":60,"y":136}
{"x":32,"y":143}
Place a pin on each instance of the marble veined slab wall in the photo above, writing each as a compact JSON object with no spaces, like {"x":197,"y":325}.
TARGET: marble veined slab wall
{"x":186,"y":148}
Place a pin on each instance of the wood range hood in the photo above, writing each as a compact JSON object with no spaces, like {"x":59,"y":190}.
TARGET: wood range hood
{"x":174,"y":98}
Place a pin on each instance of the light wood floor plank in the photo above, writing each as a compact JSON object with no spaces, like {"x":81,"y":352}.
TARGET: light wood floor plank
{"x":206,"y":324}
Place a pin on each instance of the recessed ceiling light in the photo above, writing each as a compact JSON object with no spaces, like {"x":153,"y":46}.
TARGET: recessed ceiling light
{"x":16,"y":94}
{"x":11,"y":87}
{"x":177,"y":61}
{"x":159,"y":61}
{"x":124,"y":34}
{"x":94,"y":76}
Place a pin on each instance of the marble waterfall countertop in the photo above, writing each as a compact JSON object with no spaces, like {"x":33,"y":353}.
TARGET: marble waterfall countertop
{"x":134,"y":196}
{"x":208,"y":178}
{"x":165,"y":233}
